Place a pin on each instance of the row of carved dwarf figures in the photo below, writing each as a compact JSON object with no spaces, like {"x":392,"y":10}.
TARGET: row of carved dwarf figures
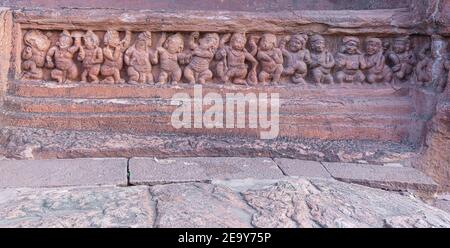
{"x":235,"y":63}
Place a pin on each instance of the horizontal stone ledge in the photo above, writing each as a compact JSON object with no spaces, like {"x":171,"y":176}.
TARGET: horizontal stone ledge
{"x":385,"y":177}
{"x":302,"y":168}
{"x":63,"y":172}
{"x":51,"y":89}
{"x":153,"y":170}
{"x":390,"y":21}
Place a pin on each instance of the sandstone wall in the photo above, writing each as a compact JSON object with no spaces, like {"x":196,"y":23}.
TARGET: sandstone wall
{"x":5,"y":47}
{"x":234,"y":5}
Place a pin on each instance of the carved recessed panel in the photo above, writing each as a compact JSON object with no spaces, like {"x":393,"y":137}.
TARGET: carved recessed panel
{"x":146,"y":57}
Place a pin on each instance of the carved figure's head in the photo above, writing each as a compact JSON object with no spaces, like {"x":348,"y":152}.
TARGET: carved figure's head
{"x":144,"y":40}
{"x":373,"y":46}
{"x":91,"y":40}
{"x":317,"y":43}
{"x":111,"y":38}
{"x":401,"y":44}
{"x":210,"y":41}
{"x":297,"y":42}
{"x":65,"y":40}
{"x":386,"y":45}
{"x":267,"y":42}
{"x":238,"y":41}
{"x":174,"y":44}
{"x":351,"y":45}
{"x":36,"y":39}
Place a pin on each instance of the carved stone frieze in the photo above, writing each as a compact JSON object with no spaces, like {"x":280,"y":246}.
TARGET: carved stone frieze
{"x":238,"y":58}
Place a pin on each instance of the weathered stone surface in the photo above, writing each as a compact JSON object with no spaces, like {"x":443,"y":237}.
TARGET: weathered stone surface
{"x":5,"y":45}
{"x":199,"y":205}
{"x":435,"y":154}
{"x":386,"y":177}
{"x":76,"y":207}
{"x":63,"y":172}
{"x":44,"y":144}
{"x":442,"y":201}
{"x":247,"y":5}
{"x":153,"y":170}
{"x":301,"y":168}
{"x":288,"y":202}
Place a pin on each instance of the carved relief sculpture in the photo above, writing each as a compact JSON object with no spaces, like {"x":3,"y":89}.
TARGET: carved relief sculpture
{"x":252,"y":77}
{"x":232,"y":67}
{"x":60,"y":58}
{"x":402,"y":58}
{"x":322,"y":61}
{"x":424,"y":66}
{"x":350,"y":62}
{"x":33,"y":55}
{"x":377,"y":70}
{"x":170,"y":51}
{"x":202,"y":52}
{"x":113,"y":56}
{"x":270,"y":58}
{"x":296,"y":57}
{"x":139,"y":59}
{"x":91,"y":56}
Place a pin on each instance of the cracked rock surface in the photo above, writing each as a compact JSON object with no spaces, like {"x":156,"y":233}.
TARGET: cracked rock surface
{"x":290,"y":202}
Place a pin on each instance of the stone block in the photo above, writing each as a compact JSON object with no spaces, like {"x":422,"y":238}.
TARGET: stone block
{"x":63,"y":172}
{"x":302,"y":168}
{"x":152,"y":170}
{"x":385,"y":177}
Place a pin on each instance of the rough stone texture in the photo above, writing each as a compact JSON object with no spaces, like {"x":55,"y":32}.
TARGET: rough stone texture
{"x":291,"y":202}
{"x":443,"y":202}
{"x":236,"y":5}
{"x":379,"y":21}
{"x":30,"y":143}
{"x":385,"y":177}
{"x":199,"y":205}
{"x":76,"y":207}
{"x":327,"y":203}
{"x":335,"y":112}
{"x":153,"y":170}
{"x":5,"y":46}
{"x":302,"y":168}
{"x":435,"y":155}
{"x":63,"y":172}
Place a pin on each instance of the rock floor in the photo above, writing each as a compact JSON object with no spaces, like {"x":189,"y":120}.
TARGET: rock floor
{"x":217,"y":192}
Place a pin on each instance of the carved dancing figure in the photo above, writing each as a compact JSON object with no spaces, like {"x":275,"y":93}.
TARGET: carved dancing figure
{"x":63,"y":65}
{"x":296,"y":57}
{"x":202,"y":52}
{"x":170,"y":52}
{"x":33,"y":55}
{"x":424,"y":66}
{"x":139,"y":59}
{"x":377,"y":70}
{"x":322,"y":61}
{"x":270,"y":58}
{"x":350,"y":62}
{"x":91,"y":56}
{"x":232,"y":67}
{"x":402,"y":58}
{"x":113,"y":56}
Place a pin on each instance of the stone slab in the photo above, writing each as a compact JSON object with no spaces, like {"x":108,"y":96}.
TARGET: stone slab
{"x":79,"y":207}
{"x":153,"y":170}
{"x":63,"y":172}
{"x":286,"y":202}
{"x":385,"y":177}
{"x":302,"y":168}
{"x":290,"y":202}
